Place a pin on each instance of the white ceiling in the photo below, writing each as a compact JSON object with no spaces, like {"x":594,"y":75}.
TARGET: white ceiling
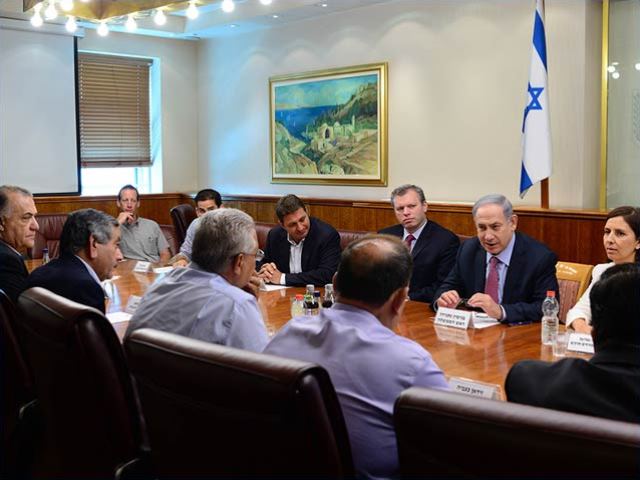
{"x":248,"y":15}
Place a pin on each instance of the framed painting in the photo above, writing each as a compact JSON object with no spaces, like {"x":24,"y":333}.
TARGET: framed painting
{"x":330,"y":126}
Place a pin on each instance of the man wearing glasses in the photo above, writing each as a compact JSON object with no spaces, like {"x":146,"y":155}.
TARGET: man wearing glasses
{"x":215,"y":299}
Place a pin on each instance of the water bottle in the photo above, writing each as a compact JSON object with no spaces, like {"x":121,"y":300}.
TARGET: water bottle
{"x":328,"y":299}
{"x":550,"y":322}
{"x":308,"y":300}
{"x":297,"y":306}
{"x":45,"y":255}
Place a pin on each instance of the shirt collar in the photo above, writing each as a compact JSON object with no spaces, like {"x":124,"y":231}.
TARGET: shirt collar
{"x":417,"y":233}
{"x":299,"y":244}
{"x":91,"y":271}
{"x":505,"y":255}
{"x":17,"y":252}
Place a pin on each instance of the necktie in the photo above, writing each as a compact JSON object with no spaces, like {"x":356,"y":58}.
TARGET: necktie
{"x":409,"y":241}
{"x":491,"y":286}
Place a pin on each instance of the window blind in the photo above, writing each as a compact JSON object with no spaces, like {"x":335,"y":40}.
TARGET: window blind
{"x":114,"y":111}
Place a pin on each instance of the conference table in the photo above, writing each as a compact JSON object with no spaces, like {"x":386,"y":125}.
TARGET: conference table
{"x":480,"y":355}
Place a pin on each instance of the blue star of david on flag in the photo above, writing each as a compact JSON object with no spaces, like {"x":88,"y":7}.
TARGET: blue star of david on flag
{"x":536,"y":132}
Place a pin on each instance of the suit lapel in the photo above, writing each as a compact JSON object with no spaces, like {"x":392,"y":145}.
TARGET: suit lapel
{"x":516,"y":265}
{"x":422,"y":241}
{"x":480,"y":264}
{"x":307,"y":246}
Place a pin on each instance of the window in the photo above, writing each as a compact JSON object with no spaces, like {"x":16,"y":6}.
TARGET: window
{"x":115,"y":117}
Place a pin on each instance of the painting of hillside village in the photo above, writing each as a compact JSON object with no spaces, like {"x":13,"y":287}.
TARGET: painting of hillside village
{"x":327,"y":128}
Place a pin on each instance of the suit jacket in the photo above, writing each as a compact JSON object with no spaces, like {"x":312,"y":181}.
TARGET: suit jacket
{"x":13,"y":272}
{"x":320,"y":254}
{"x":531,"y":272}
{"x":434,"y":254}
{"x":606,"y":386}
{"x":68,"y":277}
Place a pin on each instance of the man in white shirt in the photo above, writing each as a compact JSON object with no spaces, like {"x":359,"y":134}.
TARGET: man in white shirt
{"x":215,"y":298}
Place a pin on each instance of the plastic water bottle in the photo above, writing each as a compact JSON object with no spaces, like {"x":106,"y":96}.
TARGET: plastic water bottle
{"x":45,"y":255}
{"x":297,"y":306}
{"x":309,"y":307}
{"x":550,"y":321}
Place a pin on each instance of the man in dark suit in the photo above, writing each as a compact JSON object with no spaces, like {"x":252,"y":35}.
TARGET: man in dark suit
{"x":504,"y":273}
{"x":301,"y":250}
{"x":608,"y":385}
{"x":432,"y":247}
{"x":18,"y":227}
{"x":90,"y":249}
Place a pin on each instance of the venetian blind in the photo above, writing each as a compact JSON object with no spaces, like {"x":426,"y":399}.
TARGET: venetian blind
{"x":114,"y":110}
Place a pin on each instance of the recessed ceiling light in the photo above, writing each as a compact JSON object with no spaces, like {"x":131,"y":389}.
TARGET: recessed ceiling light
{"x":322,"y":4}
{"x":275,"y":15}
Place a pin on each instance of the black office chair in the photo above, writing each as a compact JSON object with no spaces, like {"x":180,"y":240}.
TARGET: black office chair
{"x":182,"y":216}
{"x":215,"y":411}
{"x":449,"y":434}
{"x":92,"y":426}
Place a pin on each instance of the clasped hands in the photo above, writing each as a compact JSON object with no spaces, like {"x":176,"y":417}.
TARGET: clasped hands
{"x":270,"y":273}
{"x":450,"y":299}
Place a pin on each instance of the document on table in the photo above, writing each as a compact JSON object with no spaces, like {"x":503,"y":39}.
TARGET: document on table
{"x":272,"y":288}
{"x":118,"y":317}
{"x":482,"y":320}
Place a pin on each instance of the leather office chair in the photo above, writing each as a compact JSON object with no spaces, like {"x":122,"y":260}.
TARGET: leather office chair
{"x":446,"y":433}
{"x":219,"y":411}
{"x":182,"y":216}
{"x":18,"y":399}
{"x":573,"y":280}
{"x":92,"y":426}
{"x":169,"y":233}
{"x":48,"y":235}
{"x":262,"y":231}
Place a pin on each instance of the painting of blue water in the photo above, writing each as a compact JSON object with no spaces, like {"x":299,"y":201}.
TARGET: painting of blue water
{"x":296,"y":120}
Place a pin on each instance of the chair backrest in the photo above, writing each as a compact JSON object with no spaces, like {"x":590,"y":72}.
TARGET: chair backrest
{"x":169,"y":232}
{"x":48,"y":235}
{"x":262,"y":230}
{"x":182,"y":216}
{"x":92,"y":423}
{"x":17,"y":386}
{"x":218,"y":411}
{"x":446,"y":433}
{"x":348,"y":236}
{"x":573,"y":279}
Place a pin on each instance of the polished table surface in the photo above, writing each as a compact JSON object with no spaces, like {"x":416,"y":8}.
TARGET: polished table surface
{"x":482,"y":355}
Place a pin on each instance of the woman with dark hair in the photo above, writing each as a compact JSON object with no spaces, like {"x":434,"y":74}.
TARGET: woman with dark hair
{"x":621,"y":240}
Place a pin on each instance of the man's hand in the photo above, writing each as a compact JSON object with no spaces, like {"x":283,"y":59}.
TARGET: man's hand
{"x":270,"y":273}
{"x":449,"y":299}
{"x":125,"y":217}
{"x":179,"y":260}
{"x":486,"y":303}
{"x":253,"y":287}
{"x":580,"y":325}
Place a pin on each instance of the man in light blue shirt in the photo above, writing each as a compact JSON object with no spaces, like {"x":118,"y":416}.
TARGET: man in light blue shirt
{"x":214,"y":299}
{"x":354,"y":340}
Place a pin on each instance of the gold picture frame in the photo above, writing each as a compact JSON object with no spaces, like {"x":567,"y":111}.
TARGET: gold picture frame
{"x":329,"y":127}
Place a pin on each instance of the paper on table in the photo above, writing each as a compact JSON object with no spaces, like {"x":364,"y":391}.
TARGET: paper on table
{"x":482,"y":320}
{"x":118,"y":317}
{"x":272,"y":288}
{"x":162,"y":269}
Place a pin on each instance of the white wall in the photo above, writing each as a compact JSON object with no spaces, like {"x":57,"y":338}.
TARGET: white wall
{"x":178,"y":67}
{"x":457,"y":82}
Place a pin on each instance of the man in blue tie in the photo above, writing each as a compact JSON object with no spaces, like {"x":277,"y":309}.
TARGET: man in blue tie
{"x":504,"y":273}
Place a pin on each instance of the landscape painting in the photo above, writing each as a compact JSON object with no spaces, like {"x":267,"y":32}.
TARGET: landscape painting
{"x":330,"y":127}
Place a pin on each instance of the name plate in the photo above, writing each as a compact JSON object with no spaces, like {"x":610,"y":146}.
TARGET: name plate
{"x":580,"y":342}
{"x":475,"y":389}
{"x":132,"y":304}
{"x":142,"y":267}
{"x":449,"y":317}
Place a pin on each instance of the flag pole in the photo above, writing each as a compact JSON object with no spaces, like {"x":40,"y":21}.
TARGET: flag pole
{"x":544,"y":193}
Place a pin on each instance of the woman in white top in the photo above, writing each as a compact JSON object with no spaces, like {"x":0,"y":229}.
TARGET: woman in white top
{"x":622,"y":243}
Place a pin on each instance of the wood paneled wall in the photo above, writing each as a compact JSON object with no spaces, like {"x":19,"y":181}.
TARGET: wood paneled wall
{"x":575,"y":235}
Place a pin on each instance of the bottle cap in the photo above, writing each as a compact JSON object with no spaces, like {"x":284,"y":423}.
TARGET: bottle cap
{"x":299,"y":296}
{"x":551,"y":293}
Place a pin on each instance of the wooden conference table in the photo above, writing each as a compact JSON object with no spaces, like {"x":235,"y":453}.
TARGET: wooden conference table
{"x":481,"y":355}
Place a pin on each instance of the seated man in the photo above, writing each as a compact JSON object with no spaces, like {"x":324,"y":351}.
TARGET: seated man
{"x":302,"y":249}
{"x":206,"y":201}
{"x":433,"y":248}
{"x":608,"y":385}
{"x":142,"y":238}
{"x":214,"y":299}
{"x":18,"y":227}
{"x":354,"y":340}
{"x":89,"y":251}
{"x":503,"y":272}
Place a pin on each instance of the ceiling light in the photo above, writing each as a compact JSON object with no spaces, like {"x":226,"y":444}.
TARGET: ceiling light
{"x":275,"y":15}
{"x":228,"y":6}
{"x":160,"y":18}
{"x":103,"y":29}
{"x":192,"y":11}
{"x":130,"y":24}
{"x":265,"y":2}
{"x":66,"y":5}
{"x":51,"y":13}
{"x":71,"y":24}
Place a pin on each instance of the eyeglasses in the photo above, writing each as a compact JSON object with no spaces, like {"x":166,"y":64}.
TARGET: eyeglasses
{"x":259,"y":255}
{"x":202,"y":211}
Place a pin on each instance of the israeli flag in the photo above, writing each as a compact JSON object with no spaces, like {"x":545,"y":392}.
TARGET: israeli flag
{"x":536,"y":131}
